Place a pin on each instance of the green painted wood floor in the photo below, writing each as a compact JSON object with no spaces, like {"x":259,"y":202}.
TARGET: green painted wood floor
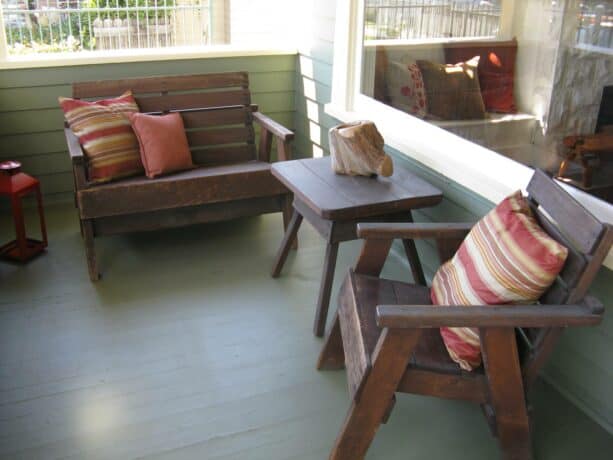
{"x":188,"y":349}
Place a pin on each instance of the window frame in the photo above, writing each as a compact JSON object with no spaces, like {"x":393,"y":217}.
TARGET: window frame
{"x":470,"y":165}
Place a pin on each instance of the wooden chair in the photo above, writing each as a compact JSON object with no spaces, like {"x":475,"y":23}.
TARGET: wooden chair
{"x":386,"y":334}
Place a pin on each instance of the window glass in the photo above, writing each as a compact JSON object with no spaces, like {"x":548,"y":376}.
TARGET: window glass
{"x":52,"y":26}
{"x":518,"y":77}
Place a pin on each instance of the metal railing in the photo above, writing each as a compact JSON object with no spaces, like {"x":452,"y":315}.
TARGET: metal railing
{"x":80,"y":25}
{"x":422,"y":19}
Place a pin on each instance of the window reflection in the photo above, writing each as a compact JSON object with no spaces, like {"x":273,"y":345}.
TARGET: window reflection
{"x":517,"y":77}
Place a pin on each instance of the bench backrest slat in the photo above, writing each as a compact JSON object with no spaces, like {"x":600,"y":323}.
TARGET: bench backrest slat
{"x":216,"y":109}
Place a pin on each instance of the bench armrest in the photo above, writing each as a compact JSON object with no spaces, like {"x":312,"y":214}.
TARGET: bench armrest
{"x":273,"y":127}
{"x":588,"y":313}
{"x":74,"y":148}
{"x":389,"y":231}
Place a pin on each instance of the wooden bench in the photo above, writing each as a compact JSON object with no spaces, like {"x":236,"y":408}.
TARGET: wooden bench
{"x":233,"y":177}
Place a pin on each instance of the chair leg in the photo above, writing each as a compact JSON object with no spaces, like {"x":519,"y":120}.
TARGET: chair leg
{"x":389,"y":361}
{"x":90,"y":249}
{"x":332,"y":355}
{"x":507,"y":395}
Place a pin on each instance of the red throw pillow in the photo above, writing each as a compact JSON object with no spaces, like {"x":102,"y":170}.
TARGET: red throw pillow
{"x":104,"y":131}
{"x":496,"y":70}
{"x":163,"y":143}
{"x":506,"y":258}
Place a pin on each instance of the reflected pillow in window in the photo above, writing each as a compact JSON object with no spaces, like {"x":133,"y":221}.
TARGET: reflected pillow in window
{"x":453,"y":91}
{"x":496,"y":70}
{"x":163,"y":143}
{"x":405,"y":88}
{"x":507,"y":258}
{"x":104,"y":132}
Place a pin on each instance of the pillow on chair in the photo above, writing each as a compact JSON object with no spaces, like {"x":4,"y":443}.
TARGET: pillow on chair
{"x":506,"y":258}
{"x":104,"y":132}
{"x":163,"y":143}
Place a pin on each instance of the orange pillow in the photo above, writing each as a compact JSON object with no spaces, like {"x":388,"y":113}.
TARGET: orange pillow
{"x":507,"y":258}
{"x":163,"y":143}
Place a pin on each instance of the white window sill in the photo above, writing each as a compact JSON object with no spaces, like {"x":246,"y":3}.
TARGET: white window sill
{"x":138,"y":55}
{"x":485,"y":172}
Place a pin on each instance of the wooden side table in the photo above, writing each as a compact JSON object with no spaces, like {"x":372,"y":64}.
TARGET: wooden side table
{"x":334,"y":205}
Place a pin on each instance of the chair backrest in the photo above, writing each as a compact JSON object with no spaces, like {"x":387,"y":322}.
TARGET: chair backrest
{"x":216,"y":109}
{"x":588,"y":241}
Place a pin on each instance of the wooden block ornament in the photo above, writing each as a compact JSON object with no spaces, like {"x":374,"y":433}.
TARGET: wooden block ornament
{"x":356,"y":149}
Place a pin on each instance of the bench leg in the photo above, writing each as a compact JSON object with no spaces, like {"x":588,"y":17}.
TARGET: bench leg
{"x":90,"y":250}
{"x":332,"y":355}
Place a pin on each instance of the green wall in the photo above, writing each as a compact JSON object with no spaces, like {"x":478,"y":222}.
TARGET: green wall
{"x":581,"y":367}
{"x":31,"y":124}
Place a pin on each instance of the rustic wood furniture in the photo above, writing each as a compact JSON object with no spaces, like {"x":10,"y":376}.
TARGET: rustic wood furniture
{"x":586,"y":150}
{"x":233,"y":178}
{"x":15,"y":185}
{"x":386,"y":333}
{"x":334,"y":204}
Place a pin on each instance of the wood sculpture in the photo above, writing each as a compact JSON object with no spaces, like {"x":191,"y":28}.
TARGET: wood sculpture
{"x":357,"y":150}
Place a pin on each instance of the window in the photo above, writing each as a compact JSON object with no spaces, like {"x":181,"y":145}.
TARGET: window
{"x":558,"y":89}
{"x":78,"y":27}
{"x":595,"y":28}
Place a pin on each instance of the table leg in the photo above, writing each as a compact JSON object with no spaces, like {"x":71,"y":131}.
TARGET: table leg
{"x":286,"y":243}
{"x":413,"y":257}
{"x":325,"y":290}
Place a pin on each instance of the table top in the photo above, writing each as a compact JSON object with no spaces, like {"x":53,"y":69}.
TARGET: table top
{"x":337,"y":197}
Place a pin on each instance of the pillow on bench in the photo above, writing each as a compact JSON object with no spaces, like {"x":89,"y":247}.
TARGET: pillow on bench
{"x":163,"y":143}
{"x":506,"y":258}
{"x":452,"y":91}
{"x":496,"y":70}
{"x":104,"y":132}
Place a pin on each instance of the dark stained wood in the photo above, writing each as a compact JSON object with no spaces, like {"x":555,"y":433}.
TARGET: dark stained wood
{"x":467,"y":387}
{"x":276,"y":129}
{"x":188,"y":188}
{"x":220,"y":154}
{"x":335,"y":205}
{"x":161,"y":84}
{"x":424,"y":316}
{"x":218,"y":136}
{"x":384,"y":231}
{"x":265,"y":145}
{"x":566,"y":211}
{"x":372,"y":257}
{"x":290,"y":235}
{"x":229,"y":182}
{"x":501,"y":362}
{"x":167,"y":103}
{"x":183,"y":216}
{"x":325,"y":289}
{"x":332,"y":355}
{"x":338,"y":197}
{"x":366,"y":415}
{"x":371,"y":307}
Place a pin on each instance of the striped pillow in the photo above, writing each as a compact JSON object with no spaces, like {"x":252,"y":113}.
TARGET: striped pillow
{"x":506,"y":258}
{"x":106,"y":135}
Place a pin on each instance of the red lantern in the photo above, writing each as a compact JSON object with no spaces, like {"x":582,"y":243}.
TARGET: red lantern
{"x":16,"y":185}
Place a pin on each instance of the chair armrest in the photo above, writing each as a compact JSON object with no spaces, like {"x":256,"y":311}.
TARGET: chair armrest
{"x":275,"y":128}
{"x":388,"y":231}
{"x":74,"y":148}
{"x":588,"y":313}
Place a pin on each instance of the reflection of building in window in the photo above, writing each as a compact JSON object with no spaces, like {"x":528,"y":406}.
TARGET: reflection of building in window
{"x":596,"y":23}
{"x":414,"y":19}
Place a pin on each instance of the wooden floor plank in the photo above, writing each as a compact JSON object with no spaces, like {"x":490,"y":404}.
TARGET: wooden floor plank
{"x":188,"y":349}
